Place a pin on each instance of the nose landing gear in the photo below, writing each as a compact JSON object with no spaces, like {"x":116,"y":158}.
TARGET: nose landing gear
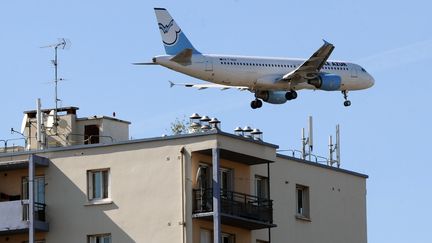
{"x":345,"y":94}
{"x":257,"y":103}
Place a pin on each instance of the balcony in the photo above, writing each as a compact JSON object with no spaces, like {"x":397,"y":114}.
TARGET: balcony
{"x":15,"y":218}
{"x":237,"y":209}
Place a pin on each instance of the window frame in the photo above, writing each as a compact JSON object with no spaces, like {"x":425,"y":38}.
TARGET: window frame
{"x":90,"y":240}
{"x":103,"y":190}
{"x":302,"y":211}
{"x":265,"y":180}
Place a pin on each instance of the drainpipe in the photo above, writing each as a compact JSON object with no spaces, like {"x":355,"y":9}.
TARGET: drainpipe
{"x":183,"y":185}
{"x":216,"y":197}
{"x":269,"y":198}
{"x":31,"y":176}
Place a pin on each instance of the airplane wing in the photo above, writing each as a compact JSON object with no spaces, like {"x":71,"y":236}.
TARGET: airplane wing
{"x":205,"y":86}
{"x":310,"y":68}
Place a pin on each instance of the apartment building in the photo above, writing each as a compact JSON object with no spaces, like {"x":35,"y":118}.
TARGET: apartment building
{"x":92,"y":184}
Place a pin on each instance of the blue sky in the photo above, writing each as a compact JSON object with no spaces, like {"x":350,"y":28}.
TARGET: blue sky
{"x":385,"y":133}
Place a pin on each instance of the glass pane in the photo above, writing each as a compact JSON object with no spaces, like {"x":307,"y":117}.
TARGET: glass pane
{"x":40,"y":190}
{"x":107,"y":239}
{"x":105,"y":184}
{"x":205,"y":236}
{"x":25,"y":189}
{"x":97,"y":184}
{"x":299,"y":201}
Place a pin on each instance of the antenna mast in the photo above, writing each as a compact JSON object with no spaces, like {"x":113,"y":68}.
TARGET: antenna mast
{"x":334,"y":148}
{"x":63,"y":44}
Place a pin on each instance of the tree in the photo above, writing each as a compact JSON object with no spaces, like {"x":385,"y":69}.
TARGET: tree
{"x":179,"y":126}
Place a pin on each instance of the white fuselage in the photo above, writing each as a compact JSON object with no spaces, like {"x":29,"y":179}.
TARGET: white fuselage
{"x":263,"y":73}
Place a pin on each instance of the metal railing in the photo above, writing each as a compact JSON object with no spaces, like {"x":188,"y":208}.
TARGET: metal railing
{"x":39,"y":211}
{"x":234,"y":203}
{"x":310,"y":157}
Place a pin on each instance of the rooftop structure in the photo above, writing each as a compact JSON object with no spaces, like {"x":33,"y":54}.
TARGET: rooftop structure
{"x":162,"y":189}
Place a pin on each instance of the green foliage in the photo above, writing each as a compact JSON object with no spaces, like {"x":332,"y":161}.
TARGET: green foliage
{"x":179,"y":126}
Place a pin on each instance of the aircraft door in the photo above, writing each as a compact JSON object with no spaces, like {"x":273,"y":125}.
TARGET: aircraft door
{"x":209,"y":65}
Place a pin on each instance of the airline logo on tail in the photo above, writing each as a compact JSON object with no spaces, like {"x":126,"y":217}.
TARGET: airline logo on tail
{"x":173,"y":38}
{"x":168,"y":27}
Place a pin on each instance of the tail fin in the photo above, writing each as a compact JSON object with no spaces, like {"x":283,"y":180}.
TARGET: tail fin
{"x":172,"y":37}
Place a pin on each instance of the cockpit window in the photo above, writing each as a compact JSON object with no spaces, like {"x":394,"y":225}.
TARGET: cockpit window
{"x":363,"y":70}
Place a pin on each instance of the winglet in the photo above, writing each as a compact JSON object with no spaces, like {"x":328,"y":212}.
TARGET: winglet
{"x":326,"y":42}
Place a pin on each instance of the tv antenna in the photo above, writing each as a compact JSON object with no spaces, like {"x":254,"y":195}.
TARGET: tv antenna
{"x":307,"y":142}
{"x":334,"y":148}
{"x":62,"y":44}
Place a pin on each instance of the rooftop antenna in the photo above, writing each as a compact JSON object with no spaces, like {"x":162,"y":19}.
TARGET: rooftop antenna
{"x":62,"y":44}
{"x":334,"y":148}
{"x":307,"y":141}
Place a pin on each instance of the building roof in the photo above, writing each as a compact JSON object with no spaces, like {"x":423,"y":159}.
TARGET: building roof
{"x":324,"y":166}
{"x":102,"y":117}
{"x":153,"y":139}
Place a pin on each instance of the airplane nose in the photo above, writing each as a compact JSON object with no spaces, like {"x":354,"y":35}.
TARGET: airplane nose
{"x":371,"y":81}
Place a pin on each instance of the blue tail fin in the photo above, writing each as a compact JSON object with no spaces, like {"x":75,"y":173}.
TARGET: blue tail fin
{"x":172,"y":37}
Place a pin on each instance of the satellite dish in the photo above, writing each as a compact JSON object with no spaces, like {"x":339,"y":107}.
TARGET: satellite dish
{"x":62,"y":124}
{"x":50,"y":120}
{"x":24,"y":123}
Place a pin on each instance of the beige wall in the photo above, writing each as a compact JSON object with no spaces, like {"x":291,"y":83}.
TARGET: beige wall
{"x":147,"y":186}
{"x":11,"y":180}
{"x":241,"y":176}
{"x":241,"y":235}
{"x":337,"y":204}
{"x":145,"y":193}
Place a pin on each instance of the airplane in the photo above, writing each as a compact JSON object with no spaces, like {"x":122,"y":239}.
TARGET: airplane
{"x":272,"y":80}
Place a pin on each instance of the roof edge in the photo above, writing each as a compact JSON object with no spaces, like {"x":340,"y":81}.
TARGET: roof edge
{"x":322,"y":165}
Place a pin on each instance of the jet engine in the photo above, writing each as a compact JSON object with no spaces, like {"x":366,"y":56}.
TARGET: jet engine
{"x":273,"y":97}
{"x":326,"y":81}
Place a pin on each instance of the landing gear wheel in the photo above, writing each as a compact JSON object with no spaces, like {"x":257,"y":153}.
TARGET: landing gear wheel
{"x":291,"y":95}
{"x":259,"y":103}
{"x":346,"y":102}
{"x":256,"y":104}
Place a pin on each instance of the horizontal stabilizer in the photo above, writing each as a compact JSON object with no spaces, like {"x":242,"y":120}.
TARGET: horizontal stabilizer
{"x":184,"y":57}
{"x":145,"y":63}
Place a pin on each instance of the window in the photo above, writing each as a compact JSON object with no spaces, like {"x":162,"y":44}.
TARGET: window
{"x":39,"y":189}
{"x":98,"y":184}
{"x":205,"y":236}
{"x":102,"y":238}
{"x":261,"y":187}
{"x":228,"y":238}
{"x":302,"y":201}
{"x":91,"y":134}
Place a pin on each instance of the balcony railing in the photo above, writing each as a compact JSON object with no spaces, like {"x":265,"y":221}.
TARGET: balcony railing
{"x":14,"y":217}
{"x":39,"y":211}
{"x":235,"y":204}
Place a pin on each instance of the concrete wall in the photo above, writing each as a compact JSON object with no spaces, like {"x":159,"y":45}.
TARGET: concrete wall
{"x":241,"y":172}
{"x":241,"y":235}
{"x":11,"y":214}
{"x":145,"y":193}
{"x":337,"y":204}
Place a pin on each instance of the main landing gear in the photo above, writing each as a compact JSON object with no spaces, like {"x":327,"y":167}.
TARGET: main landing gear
{"x":257,"y":103}
{"x":345,"y":94}
{"x":291,"y":95}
